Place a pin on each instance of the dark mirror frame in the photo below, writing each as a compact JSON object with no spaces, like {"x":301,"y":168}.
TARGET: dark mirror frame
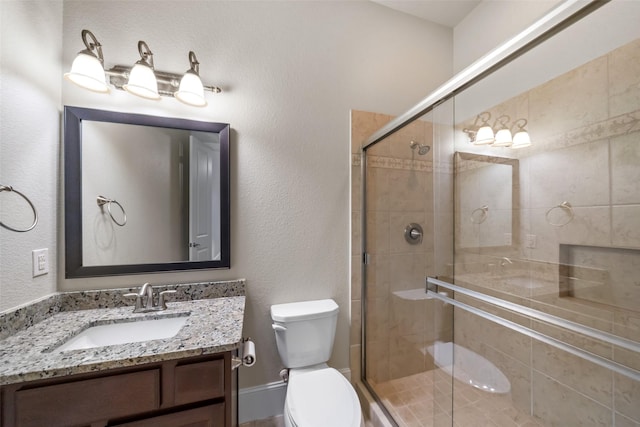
{"x":73,"y":117}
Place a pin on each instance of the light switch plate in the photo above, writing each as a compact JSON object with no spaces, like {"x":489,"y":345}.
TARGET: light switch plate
{"x":40,"y":261}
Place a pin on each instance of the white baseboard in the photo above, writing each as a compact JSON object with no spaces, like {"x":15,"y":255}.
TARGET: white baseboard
{"x":265,"y":401}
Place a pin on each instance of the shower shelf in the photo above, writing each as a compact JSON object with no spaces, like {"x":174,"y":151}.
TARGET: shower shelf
{"x":413,"y":294}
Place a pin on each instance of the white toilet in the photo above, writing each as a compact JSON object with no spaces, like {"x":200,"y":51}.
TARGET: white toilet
{"x":317,"y":395}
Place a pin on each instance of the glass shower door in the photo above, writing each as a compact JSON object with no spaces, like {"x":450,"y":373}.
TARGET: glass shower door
{"x":401,"y":325}
{"x":547,"y":250}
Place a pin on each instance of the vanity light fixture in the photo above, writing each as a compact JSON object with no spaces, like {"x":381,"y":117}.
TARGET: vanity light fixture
{"x":142,"y":79}
{"x":87,"y":70}
{"x":191,"y":90}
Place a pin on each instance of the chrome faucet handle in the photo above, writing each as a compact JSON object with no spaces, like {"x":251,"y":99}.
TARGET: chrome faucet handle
{"x":138,"y":297}
{"x":162,"y":305}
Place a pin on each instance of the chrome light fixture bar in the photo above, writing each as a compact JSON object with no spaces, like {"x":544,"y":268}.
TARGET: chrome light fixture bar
{"x":142,"y":79}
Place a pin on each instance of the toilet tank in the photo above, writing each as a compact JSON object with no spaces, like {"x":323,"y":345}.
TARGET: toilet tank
{"x":305,"y":331}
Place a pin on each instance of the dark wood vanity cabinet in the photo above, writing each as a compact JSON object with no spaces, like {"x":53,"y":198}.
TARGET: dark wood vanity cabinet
{"x":194,"y":392}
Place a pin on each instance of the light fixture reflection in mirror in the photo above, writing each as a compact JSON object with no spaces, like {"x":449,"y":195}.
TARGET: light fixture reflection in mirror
{"x":504,"y":137}
{"x":521,"y":139}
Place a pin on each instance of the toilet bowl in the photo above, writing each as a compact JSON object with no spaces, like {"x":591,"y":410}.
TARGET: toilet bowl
{"x":317,"y":395}
{"x":321,"y":398}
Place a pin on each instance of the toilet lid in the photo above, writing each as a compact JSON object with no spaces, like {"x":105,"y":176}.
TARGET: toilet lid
{"x":322,"y":398}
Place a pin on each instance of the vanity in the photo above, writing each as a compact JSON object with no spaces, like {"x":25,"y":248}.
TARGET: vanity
{"x":185,"y":379}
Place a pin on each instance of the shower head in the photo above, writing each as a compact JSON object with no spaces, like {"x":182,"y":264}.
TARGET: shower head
{"x":422,"y":148}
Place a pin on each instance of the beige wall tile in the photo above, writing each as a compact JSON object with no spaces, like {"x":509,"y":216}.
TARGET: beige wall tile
{"x":626,"y":397}
{"x":356,"y":232}
{"x":570,"y":370}
{"x":626,"y":226}
{"x":569,"y":101}
{"x":622,"y":421}
{"x":625,"y":173}
{"x":560,"y":405}
{"x":356,"y":182}
{"x":363,"y":125}
{"x":578,"y":174}
{"x":378,"y":189}
{"x":589,"y":226}
{"x":624,"y":79}
{"x":356,"y":322}
{"x":378,"y":232}
{"x":409,"y":191}
{"x":356,"y":277}
{"x":471,"y":330}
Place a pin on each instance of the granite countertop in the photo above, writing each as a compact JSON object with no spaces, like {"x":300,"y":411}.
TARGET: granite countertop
{"x":213,"y":324}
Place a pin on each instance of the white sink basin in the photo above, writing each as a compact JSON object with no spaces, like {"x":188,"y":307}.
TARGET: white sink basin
{"x":124,"y":332}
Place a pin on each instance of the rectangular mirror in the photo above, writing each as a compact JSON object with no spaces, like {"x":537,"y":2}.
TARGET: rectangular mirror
{"x":144,"y":193}
{"x":487,"y":199}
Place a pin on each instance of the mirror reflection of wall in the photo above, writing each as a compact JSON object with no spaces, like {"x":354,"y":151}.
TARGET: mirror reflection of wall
{"x":485,"y":202}
{"x":147,"y":170}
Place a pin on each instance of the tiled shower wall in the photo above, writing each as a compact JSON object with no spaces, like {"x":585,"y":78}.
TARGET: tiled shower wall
{"x":585,"y":127}
{"x":399,"y":192}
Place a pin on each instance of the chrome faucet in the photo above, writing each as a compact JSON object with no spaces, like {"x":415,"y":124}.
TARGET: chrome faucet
{"x":145,"y":299}
{"x":504,"y":261}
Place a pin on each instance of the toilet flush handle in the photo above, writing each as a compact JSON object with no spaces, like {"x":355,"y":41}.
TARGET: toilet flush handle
{"x":278,"y":327}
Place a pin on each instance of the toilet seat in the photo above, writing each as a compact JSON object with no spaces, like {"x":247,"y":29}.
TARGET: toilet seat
{"x":322,"y":398}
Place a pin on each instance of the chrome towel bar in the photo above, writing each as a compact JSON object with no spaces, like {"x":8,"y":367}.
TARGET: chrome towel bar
{"x":433,"y":286}
{"x":33,"y":208}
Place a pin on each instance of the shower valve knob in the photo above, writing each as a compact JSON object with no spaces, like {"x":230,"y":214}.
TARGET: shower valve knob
{"x":413,"y":233}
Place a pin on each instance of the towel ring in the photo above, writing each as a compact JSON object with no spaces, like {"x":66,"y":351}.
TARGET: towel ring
{"x":565,"y":206}
{"x":483,"y":214}
{"x":33,"y":208}
{"x":106,"y":201}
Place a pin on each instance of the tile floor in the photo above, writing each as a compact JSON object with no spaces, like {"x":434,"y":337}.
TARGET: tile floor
{"x":425,"y":400}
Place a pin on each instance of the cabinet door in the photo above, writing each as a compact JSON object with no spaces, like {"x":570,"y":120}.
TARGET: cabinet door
{"x":86,"y":401}
{"x":207,"y":416}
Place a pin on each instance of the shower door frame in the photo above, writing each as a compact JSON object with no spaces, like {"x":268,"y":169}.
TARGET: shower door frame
{"x":558,"y":19}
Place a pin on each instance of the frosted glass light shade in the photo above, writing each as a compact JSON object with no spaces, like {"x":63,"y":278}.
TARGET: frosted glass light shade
{"x":87,"y":72}
{"x":142,"y":82}
{"x":191,"y":90}
{"x":521,"y":139}
{"x":484,"y":136}
{"x":503,"y":138}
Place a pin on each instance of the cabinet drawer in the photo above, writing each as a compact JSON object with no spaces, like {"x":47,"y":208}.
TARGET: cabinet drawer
{"x":195,"y":382}
{"x":81,"y":402}
{"x":207,"y":416}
